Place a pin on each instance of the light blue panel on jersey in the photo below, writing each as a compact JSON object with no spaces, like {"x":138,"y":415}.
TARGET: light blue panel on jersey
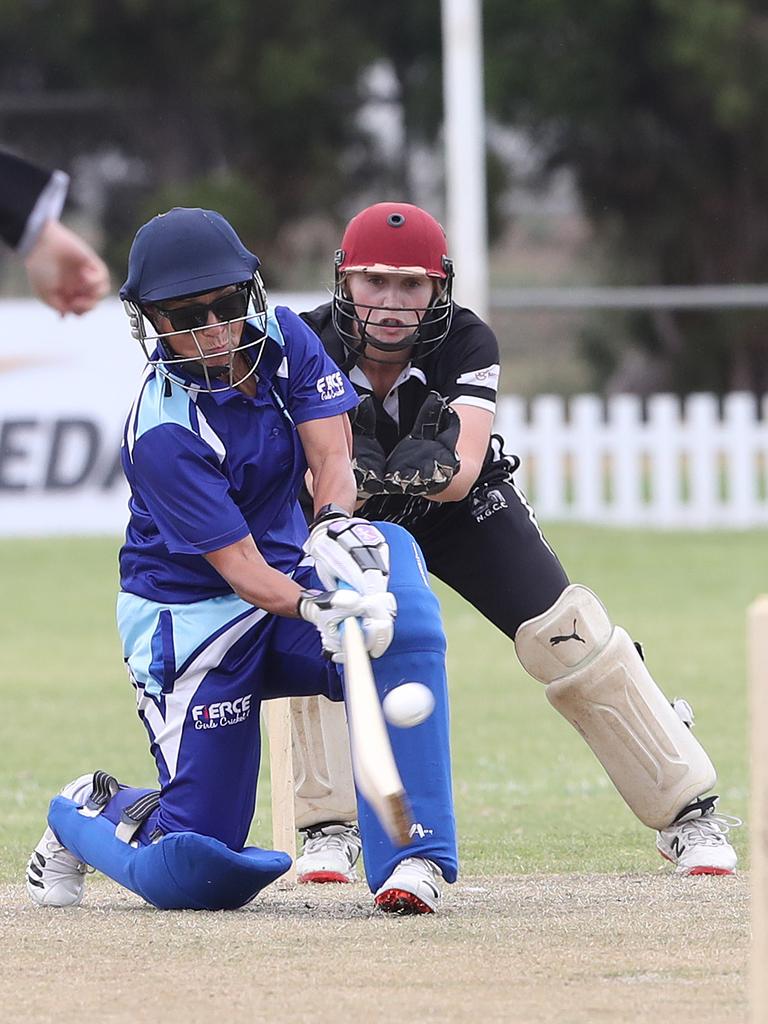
{"x":183,"y":871}
{"x":417,"y":653}
{"x":274,"y":330}
{"x":157,"y":406}
{"x":148,"y":638}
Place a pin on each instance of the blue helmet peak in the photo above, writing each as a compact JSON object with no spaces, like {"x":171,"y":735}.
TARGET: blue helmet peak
{"x":186,"y":251}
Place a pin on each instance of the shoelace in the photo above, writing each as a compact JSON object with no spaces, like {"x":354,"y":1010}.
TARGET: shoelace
{"x":420,"y":862}
{"x":348,"y":843}
{"x":53,"y":846}
{"x":710,"y":830}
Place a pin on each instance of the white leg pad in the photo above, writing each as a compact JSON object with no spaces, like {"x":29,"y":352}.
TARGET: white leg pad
{"x":322,"y":764}
{"x":597,"y":680}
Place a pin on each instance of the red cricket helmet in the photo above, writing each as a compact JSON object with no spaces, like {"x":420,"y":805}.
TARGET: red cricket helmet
{"x":394,"y":238}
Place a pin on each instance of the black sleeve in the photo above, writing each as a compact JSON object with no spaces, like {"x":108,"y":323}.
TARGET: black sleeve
{"x":21,"y":183}
{"x":467,"y":365}
{"x":320,"y":320}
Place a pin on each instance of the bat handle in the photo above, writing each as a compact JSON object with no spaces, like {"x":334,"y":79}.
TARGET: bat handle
{"x":343,"y":585}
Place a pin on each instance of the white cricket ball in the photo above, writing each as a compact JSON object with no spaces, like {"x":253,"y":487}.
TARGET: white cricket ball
{"x":408,"y":704}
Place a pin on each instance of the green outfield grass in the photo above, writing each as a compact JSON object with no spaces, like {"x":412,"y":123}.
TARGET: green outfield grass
{"x":530,"y":796}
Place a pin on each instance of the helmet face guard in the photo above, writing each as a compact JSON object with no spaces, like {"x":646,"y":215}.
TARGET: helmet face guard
{"x":181,"y":254}
{"x":393,"y":238}
{"x":352,"y":319}
{"x":245,"y":338}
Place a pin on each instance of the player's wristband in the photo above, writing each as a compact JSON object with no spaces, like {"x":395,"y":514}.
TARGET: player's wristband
{"x":326,"y":513}
{"x":303,"y":596}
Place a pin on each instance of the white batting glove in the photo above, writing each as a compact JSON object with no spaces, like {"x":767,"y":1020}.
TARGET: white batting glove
{"x":328,"y":610}
{"x":350,"y":550}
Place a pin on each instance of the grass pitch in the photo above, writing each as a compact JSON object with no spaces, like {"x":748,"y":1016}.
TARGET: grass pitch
{"x":530,"y":796}
{"x":563,"y":914}
{"x":520,"y":949}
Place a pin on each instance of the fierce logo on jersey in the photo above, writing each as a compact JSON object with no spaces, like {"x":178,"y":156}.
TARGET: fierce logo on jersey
{"x":331,"y":386}
{"x":485,"y":503}
{"x":221,"y":713}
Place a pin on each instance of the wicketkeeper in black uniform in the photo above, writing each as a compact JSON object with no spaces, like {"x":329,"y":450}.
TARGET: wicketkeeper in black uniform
{"x":425,"y":457}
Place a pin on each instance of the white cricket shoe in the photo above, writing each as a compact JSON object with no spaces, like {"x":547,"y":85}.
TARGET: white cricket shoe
{"x":699,"y":846}
{"x":330,"y":854}
{"x":412,"y":888}
{"x":55,"y":877}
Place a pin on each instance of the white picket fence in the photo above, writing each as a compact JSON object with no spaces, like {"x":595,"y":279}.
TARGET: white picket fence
{"x":666,"y":463}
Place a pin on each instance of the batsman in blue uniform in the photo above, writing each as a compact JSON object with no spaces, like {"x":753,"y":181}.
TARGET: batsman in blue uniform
{"x":228,"y":599}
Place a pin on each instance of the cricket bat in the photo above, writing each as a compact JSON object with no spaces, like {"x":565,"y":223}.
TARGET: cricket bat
{"x":373,"y":762}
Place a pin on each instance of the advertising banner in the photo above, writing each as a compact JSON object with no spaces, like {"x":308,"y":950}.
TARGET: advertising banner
{"x":66,"y":386}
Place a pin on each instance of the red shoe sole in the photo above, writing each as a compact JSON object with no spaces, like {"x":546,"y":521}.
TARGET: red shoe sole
{"x":398,"y":901}
{"x":710,"y":871}
{"x":323,"y":876}
{"x":701,"y":870}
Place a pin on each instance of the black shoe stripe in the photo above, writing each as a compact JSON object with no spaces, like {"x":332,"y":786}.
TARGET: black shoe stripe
{"x":33,"y":867}
{"x":140,"y":809}
{"x":35,"y":882}
{"x":104,"y":787}
{"x":40,"y":858}
{"x":677,"y":847}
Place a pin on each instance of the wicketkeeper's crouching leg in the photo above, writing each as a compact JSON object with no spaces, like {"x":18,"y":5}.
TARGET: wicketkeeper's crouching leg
{"x":597,"y":679}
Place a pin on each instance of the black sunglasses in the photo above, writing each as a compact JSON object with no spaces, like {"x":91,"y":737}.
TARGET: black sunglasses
{"x":229,"y":307}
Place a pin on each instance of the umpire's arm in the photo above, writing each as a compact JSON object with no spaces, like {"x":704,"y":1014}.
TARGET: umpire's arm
{"x":29,"y":197}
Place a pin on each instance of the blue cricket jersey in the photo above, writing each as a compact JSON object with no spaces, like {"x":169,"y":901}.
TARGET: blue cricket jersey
{"x":206,"y":469}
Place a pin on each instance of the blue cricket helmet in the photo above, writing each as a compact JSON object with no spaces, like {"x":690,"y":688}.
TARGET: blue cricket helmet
{"x":186,"y":251}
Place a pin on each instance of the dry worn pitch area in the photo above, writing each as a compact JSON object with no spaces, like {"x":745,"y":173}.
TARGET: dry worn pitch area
{"x":572,"y":949}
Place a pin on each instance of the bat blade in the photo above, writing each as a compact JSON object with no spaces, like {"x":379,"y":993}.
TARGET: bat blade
{"x":373,"y":762}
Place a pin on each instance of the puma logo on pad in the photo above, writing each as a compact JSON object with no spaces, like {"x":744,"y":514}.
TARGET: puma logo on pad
{"x":555,"y":640}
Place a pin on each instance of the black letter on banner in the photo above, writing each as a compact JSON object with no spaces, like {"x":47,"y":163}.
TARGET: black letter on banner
{"x":114,"y":473}
{"x":55,"y":480}
{"x":9,"y":451}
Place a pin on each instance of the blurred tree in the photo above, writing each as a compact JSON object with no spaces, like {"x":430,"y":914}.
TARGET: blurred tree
{"x":408,"y":38}
{"x":656,"y":105}
{"x":218,"y":98}
{"x":255,"y":106}
{"x":659,"y":109}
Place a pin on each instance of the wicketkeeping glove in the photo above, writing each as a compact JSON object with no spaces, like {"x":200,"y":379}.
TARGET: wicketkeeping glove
{"x":368,"y":458}
{"x":425,"y":461}
{"x":349,"y":550}
{"x":327,"y":611}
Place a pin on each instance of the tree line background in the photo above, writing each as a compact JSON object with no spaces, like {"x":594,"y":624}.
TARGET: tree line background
{"x":289,"y":117}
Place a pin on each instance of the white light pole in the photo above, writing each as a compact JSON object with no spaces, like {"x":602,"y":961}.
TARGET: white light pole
{"x":464,"y":128}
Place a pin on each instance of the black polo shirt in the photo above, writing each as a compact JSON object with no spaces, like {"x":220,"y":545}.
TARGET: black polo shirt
{"x":464,"y":369}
